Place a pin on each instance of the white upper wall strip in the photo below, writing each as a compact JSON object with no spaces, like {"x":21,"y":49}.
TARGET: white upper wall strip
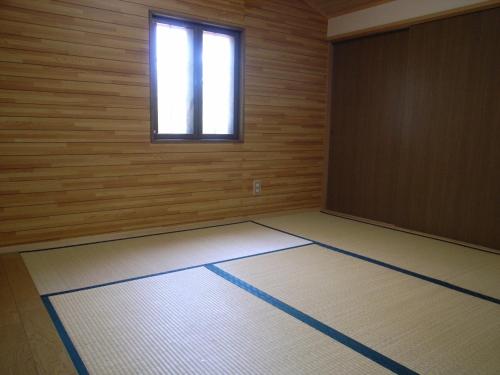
{"x":395,"y":12}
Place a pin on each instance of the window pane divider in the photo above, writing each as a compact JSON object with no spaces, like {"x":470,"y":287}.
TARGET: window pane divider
{"x":198,"y":29}
{"x":198,"y":82}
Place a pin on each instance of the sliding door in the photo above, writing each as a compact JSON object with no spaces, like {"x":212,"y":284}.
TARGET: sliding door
{"x":368,"y":101}
{"x":450,"y":152}
{"x":416,"y":128}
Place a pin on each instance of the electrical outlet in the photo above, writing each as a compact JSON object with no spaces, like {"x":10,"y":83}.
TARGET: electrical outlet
{"x":257,"y":187}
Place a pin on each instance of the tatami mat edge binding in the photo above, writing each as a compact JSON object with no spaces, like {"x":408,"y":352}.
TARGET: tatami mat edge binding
{"x":132,"y":237}
{"x":170,"y":271}
{"x":408,"y":231}
{"x":73,"y":353}
{"x":369,"y":353}
{"x":393,"y":267}
{"x":347,"y":341}
{"x":63,"y":334}
{"x":87,"y":265}
{"x":377,"y":357}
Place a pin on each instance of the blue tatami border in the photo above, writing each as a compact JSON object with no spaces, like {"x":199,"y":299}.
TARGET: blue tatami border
{"x":393,"y":267}
{"x":338,"y":336}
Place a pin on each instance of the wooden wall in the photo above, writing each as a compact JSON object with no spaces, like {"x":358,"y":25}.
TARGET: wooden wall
{"x":416,"y":128}
{"x":75,"y":154}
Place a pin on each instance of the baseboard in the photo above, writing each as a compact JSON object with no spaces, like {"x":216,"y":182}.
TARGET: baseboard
{"x":75,"y":241}
{"x":417,"y":233}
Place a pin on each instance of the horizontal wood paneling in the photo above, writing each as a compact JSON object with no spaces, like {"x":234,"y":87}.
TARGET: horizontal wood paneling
{"x":332,"y":8}
{"x":75,"y":153}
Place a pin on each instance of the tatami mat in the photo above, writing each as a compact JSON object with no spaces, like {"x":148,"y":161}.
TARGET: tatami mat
{"x":195,"y":322}
{"x":428,"y":328}
{"x":468,"y":268}
{"x":86,"y":265}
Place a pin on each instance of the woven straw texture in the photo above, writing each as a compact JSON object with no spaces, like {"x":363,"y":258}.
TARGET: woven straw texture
{"x":459,"y":265}
{"x":195,"y":322}
{"x":82,"y":266}
{"x":426,"y":327}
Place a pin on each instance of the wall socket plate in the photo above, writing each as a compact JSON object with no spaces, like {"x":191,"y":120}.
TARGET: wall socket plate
{"x":257,"y":187}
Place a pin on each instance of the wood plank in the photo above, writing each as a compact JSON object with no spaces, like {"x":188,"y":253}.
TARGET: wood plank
{"x":162,"y":198}
{"x":8,"y":309}
{"x":45,"y":18}
{"x":15,"y":351}
{"x":67,"y":47}
{"x":64,"y":173}
{"x":217,"y":210}
{"x":44,"y":72}
{"x":75,"y":89}
{"x":145,"y":180}
{"x":79,"y":11}
{"x":47,"y":349}
{"x":56,"y":33}
{"x":333,"y":8}
{"x":66,"y":199}
{"x":57,"y":161}
{"x":91,"y":64}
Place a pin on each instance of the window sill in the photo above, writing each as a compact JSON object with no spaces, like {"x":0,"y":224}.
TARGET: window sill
{"x":215,"y":140}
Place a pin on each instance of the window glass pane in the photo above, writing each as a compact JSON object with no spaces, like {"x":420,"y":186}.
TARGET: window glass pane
{"x":218,"y":83}
{"x":174,"y":67}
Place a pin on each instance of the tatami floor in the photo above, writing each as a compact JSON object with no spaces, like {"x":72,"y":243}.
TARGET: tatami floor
{"x":304,"y":293}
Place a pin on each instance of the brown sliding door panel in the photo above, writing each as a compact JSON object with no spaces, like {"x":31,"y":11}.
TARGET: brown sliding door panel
{"x":416,"y":128}
{"x":449,"y":175}
{"x":367,"y":113}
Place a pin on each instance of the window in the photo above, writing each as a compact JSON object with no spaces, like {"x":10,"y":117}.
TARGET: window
{"x":195,"y":80}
